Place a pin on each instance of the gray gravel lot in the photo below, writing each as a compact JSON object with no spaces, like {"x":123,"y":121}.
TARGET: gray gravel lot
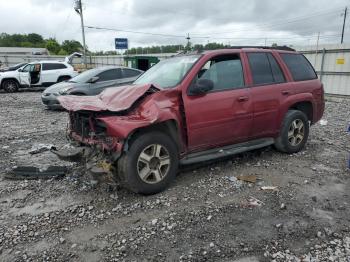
{"x":206,"y":215}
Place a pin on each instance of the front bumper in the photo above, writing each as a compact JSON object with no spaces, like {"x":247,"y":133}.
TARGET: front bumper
{"x":51,"y":101}
{"x":87,"y":130}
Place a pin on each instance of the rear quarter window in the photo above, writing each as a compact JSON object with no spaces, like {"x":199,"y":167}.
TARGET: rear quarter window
{"x":299,"y":67}
{"x":53,"y":66}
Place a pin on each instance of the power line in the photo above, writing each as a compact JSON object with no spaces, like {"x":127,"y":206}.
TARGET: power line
{"x":278,"y":23}
{"x":268,"y":37}
{"x":133,"y":32}
{"x":139,"y":32}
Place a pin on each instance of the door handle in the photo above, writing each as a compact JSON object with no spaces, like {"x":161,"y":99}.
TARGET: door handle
{"x":285,"y":92}
{"x":242,"y":99}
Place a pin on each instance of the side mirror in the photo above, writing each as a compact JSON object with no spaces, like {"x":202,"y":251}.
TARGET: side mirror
{"x":202,"y":86}
{"x":20,"y":70}
{"x":93,"y":79}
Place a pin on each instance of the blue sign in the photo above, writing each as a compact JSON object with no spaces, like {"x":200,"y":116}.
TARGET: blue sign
{"x":121,"y":43}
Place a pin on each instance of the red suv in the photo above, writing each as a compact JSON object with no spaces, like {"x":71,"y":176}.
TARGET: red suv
{"x":198,"y":107}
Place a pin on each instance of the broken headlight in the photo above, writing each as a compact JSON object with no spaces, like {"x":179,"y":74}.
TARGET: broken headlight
{"x":64,"y":91}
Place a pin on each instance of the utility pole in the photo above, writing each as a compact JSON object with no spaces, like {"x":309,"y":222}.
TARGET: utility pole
{"x":188,"y":41}
{"x":79,"y":9}
{"x":318,"y":39}
{"x":342,"y":32}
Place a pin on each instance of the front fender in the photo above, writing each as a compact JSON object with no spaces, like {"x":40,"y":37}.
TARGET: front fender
{"x":150,"y":113}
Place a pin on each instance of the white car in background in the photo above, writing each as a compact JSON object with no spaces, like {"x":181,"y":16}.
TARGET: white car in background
{"x":41,"y":73}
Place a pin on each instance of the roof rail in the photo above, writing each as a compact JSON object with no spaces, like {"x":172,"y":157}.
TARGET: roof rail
{"x":285,"y":48}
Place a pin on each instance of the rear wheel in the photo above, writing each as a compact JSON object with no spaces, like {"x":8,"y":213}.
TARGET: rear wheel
{"x":294,"y":132}
{"x":150,"y":164}
{"x":63,"y":78}
{"x":10,"y":85}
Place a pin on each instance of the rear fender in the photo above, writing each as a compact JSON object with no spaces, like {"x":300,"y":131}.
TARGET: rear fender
{"x":290,"y":101}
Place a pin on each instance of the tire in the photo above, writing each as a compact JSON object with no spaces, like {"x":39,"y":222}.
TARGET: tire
{"x":141,"y":170}
{"x":63,"y":78}
{"x":294,"y":132}
{"x":10,"y":85}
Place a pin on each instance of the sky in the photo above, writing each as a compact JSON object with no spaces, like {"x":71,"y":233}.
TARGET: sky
{"x":165,"y":22}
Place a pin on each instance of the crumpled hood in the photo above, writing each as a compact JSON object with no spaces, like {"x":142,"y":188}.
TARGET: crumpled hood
{"x":112,"y":99}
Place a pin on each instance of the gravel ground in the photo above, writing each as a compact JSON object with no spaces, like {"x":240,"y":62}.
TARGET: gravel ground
{"x":206,"y":215}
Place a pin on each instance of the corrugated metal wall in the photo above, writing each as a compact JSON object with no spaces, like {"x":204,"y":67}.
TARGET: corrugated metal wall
{"x":332,"y":63}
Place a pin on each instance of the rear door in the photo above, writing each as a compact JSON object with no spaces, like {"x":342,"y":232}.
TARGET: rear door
{"x":224,"y":115}
{"x":269,"y":89}
{"x":108,"y":78}
{"x":51,"y":71}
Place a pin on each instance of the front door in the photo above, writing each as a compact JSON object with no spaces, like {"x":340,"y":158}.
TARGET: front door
{"x":224,"y":115}
{"x":24,"y":74}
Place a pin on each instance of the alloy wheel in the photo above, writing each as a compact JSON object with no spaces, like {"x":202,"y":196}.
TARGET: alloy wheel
{"x":296,"y":132}
{"x":153,"y":164}
{"x":10,"y":86}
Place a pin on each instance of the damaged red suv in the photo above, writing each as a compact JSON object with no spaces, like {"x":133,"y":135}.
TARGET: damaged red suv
{"x":198,"y":107}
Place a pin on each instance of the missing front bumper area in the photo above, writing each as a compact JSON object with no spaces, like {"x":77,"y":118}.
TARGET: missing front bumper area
{"x":93,"y":163}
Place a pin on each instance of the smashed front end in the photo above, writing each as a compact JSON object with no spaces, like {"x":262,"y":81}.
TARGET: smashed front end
{"x":86,"y":128}
{"x":106,"y":120}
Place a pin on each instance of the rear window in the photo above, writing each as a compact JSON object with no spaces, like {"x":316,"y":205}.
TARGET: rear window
{"x":299,"y":67}
{"x":53,"y":66}
{"x":265,"y":69}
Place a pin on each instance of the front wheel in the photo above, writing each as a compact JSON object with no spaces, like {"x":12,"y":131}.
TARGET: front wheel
{"x":294,"y":132}
{"x":150,"y":164}
{"x":10,"y":85}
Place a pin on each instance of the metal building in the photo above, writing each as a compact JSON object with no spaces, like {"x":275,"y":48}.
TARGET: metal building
{"x":332,"y":63}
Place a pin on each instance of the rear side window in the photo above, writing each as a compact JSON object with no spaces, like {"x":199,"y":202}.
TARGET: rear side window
{"x":53,"y":66}
{"x":130,"y":73}
{"x":265,"y":69}
{"x":299,"y":67}
{"x":108,"y":75}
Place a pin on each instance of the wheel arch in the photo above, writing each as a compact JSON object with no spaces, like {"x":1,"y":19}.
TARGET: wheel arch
{"x":8,"y":78}
{"x":63,"y":76}
{"x":304,"y":106}
{"x":169,"y":127}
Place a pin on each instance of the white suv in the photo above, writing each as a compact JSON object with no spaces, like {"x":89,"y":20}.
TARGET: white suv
{"x":42,"y":73}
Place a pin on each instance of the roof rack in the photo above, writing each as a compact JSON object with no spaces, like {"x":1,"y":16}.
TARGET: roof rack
{"x":285,"y":48}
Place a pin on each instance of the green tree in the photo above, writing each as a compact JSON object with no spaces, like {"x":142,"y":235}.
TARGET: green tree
{"x":35,"y":39}
{"x":71,"y":46}
{"x":53,"y":46}
{"x":62,"y":52}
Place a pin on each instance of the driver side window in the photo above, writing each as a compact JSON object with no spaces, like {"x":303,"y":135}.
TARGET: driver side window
{"x":28,"y":68}
{"x":112,"y":74}
{"x":225,"y":71}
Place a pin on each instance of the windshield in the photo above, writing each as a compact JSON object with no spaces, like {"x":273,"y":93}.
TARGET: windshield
{"x":85,"y":76}
{"x":169,"y":72}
